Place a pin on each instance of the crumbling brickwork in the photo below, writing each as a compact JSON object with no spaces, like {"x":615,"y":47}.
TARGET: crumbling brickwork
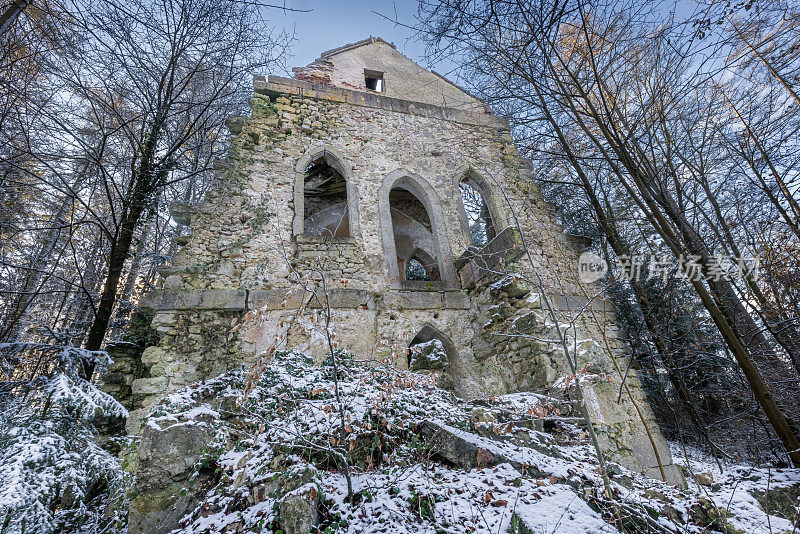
{"x":233,"y":288}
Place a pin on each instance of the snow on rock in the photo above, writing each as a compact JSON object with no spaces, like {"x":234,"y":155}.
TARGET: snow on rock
{"x":420,"y":460}
{"x":428,"y":355}
{"x":736,"y":488}
{"x":561,"y":510}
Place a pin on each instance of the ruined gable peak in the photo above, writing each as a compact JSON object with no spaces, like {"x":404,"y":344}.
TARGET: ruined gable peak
{"x":374,"y":65}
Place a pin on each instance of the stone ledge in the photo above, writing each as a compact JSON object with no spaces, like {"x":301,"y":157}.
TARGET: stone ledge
{"x":277,"y":85}
{"x":456,"y":300}
{"x":165,"y":300}
{"x":235,"y":300}
{"x":279,"y":299}
{"x":231,"y":300}
{"x":426,"y":300}
{"x":413,"y":300}
{"x":347,"y":298}
{"x":273,"y":299}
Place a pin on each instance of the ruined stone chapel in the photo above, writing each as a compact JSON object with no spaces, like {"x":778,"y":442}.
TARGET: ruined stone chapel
{"x":408,"y":194}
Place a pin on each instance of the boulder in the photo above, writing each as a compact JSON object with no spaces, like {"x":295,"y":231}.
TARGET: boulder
{"x":704,"y":479}
{"x":457,"y":449}
{"x":298,"y":511}
{"x":168,"y":454}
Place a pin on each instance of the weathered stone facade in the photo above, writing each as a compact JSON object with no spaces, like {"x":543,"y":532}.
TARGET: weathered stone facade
{"x":234,"y":287}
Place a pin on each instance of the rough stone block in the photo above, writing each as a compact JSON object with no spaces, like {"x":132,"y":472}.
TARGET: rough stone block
{"x":456,"y":300}
{"x":195,"y":299}
{"x":273,"y":299}
{"x":150,"y":386}
{"x":345,"y":298}
{"x":485,"y":264}
{"x":413,"y":300}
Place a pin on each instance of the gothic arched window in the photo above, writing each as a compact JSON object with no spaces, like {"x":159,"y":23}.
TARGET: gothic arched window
{"x":479,"y":220}
{"x":414,"y":242}
{"x":325,"y":210}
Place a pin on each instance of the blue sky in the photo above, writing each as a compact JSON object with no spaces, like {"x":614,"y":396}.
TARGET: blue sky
{"x":332,"y":23}
{"x":336,"y":22}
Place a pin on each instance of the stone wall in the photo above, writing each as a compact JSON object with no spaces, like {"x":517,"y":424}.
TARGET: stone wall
{"x":235,"y":291}
{"x":342,"y":258}
{"x":403,"y":79}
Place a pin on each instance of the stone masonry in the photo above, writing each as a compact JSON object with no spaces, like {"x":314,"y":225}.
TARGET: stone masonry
{"x":231,"y":291}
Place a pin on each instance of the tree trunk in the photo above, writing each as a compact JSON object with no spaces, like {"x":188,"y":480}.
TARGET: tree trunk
{"x":119,"y":253}
{"x":144,"y":182}
{"x":12,"y":13}
{"x":654,"y":210}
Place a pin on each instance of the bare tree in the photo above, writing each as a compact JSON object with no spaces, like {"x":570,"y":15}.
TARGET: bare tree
{"x":623,"y":98}
{"x":134,"y":116}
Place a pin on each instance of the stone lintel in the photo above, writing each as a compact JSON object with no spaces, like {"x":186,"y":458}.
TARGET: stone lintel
{"x":412,"y":300}
{"x":233,"y":300}
{"x":456,"y":300}
{"x":187,"y":299}
{"x":346,"y":298}
{"x":273,"y":299}
{"x":277,"y":85}
{"x":425,"y":300}
{"x":279,"y":299}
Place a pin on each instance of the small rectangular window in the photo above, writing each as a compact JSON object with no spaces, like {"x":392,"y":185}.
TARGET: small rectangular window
{"x":373,"y":80}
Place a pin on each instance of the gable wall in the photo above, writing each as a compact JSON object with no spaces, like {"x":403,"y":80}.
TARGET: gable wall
{"x":403,"y":78}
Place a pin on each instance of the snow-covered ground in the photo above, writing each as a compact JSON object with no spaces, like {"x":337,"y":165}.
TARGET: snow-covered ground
{"x":529,"y":481}
{"x":735,"y":489}
{"x":419,"y":460}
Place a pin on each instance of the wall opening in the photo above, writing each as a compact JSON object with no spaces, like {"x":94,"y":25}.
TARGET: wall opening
{"x":415,"y":270}
{"x":373,"y":80}
{"x":421,"y":267}
{"x":430,"y":349}
{"x":325,"y":210}
{"x":415,"y":245}
{"x":479,"y":220}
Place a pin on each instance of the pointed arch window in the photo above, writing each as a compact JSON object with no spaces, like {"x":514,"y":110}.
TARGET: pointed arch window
{"x":325,"y":211}
{"x":414,"y":242}
{"x":325,"y":197}
{"x":412,"y":227}
{"x":480,"y":225}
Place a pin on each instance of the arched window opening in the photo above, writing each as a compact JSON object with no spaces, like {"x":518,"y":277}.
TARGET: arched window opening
{"x":430,"y":349}
{"x":414,"y":241}
{"x":407,"y":203}
{"x":325,"y":211}
{"x":479,"y":221}
{"x":415,"y":270}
